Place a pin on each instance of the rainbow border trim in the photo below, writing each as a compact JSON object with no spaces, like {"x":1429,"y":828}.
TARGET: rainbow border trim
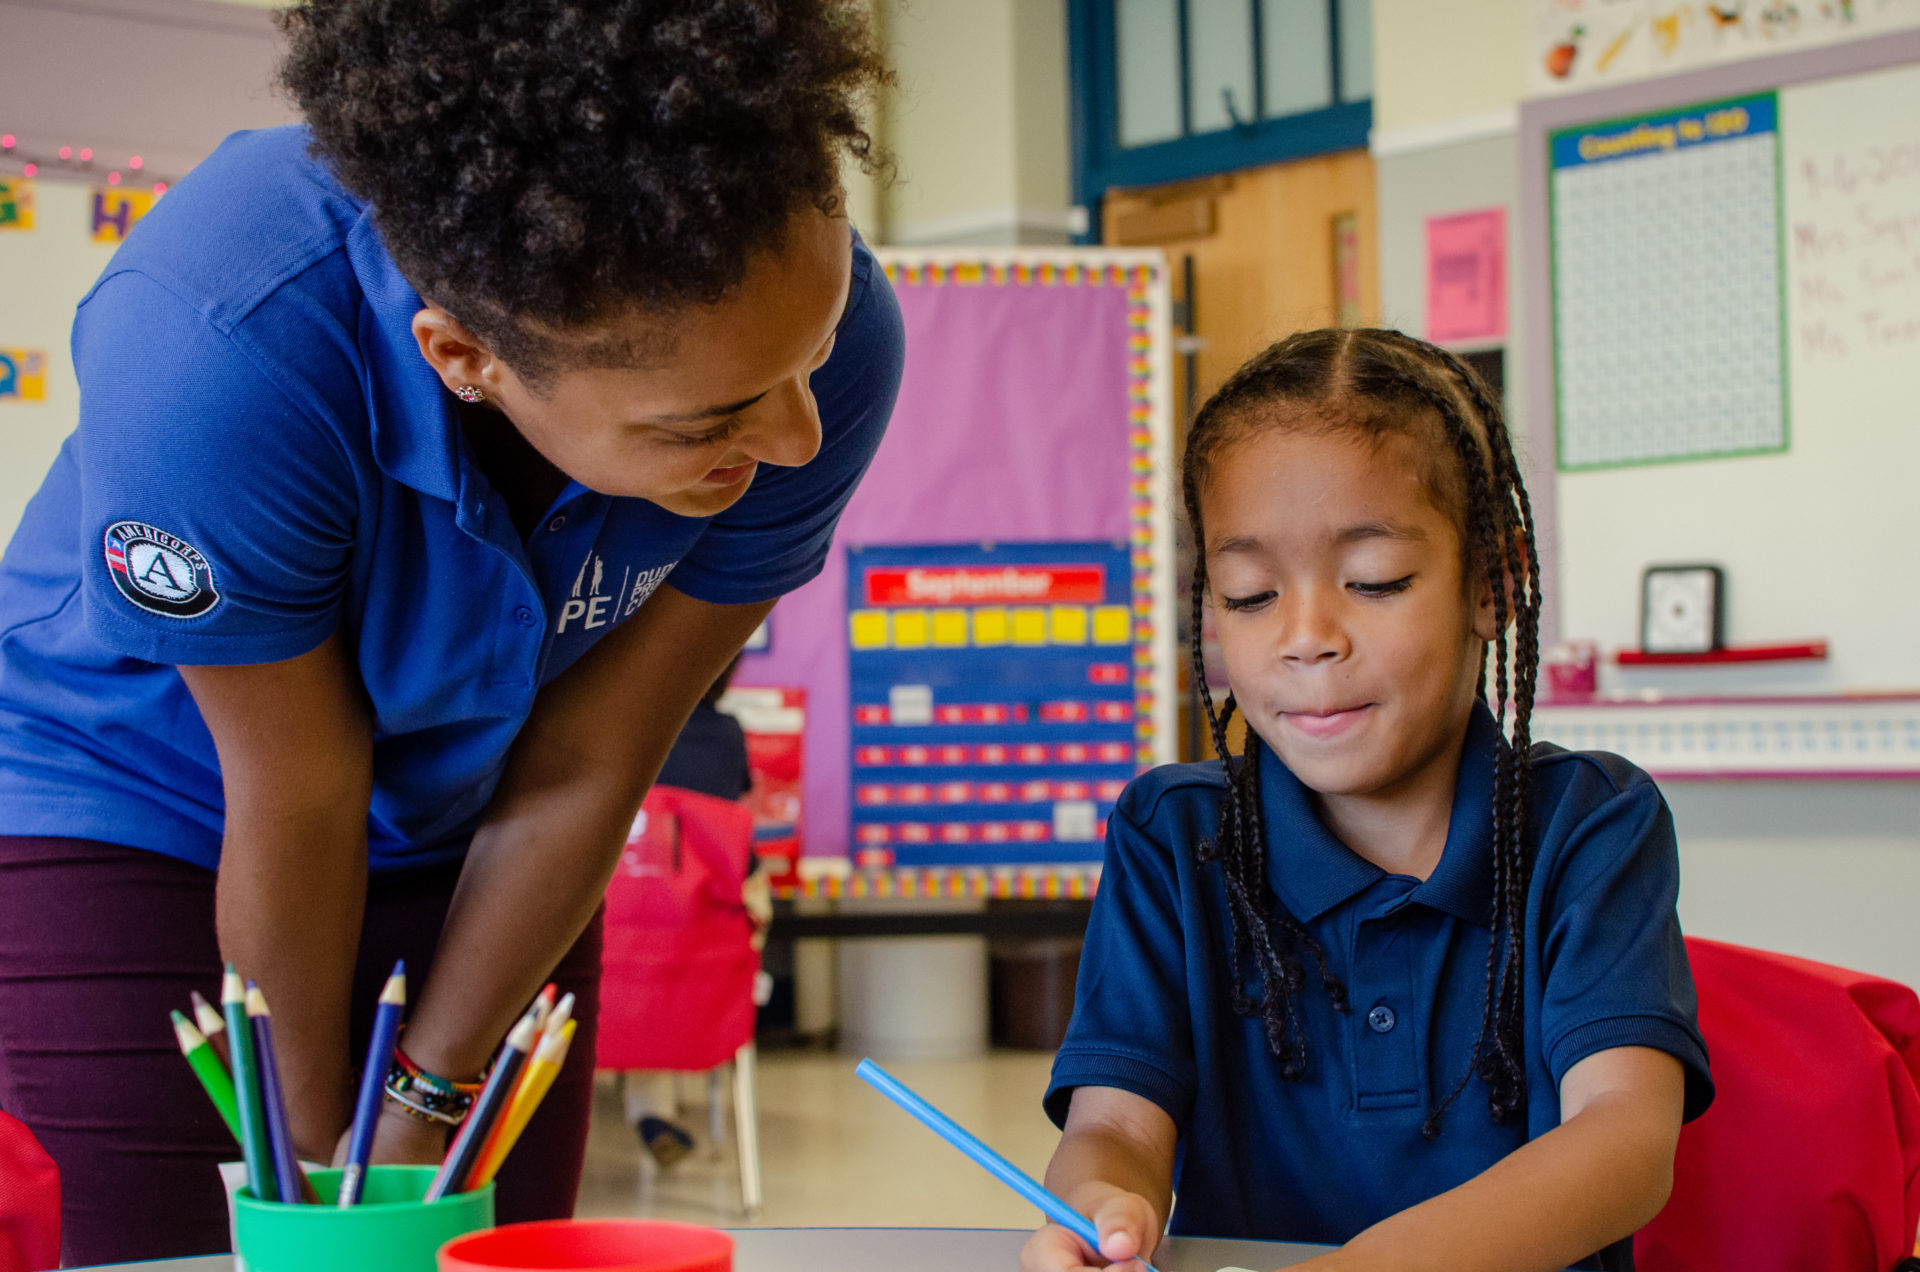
{"x":1031,"y":883}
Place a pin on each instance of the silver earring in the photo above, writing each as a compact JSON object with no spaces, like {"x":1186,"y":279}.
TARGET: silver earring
{"x":469,"y":393}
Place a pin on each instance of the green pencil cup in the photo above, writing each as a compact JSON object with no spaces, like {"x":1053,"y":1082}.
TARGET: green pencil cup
{"x":391,"y":1230}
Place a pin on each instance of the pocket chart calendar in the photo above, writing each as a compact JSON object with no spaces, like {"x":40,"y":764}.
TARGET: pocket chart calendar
{"x":994,"y":701}
{"x":1667,"y":313}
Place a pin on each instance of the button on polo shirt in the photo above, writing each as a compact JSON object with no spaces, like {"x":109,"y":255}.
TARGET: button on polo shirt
{"x":1323,"y":1158}
{"x":264,"y":457}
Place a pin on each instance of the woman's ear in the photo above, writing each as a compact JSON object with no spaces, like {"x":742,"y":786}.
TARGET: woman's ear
{"x":456,"y":355}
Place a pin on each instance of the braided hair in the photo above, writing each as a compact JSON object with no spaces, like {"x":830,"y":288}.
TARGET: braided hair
{"x":1378,"y":382}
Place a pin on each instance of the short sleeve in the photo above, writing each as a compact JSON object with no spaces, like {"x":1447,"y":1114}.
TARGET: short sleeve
{"x":217,"y":519}
{"x":1613,"y":966}
{"x":777,"y":536}
{"x":1131,"y":1028}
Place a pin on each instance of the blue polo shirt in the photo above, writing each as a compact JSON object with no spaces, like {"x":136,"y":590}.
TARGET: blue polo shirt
{"x":263,"y":456}
{"x":1326,"y":1157}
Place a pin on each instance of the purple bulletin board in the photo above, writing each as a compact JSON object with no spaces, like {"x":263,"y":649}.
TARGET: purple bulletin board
{"x":1035,"y":407}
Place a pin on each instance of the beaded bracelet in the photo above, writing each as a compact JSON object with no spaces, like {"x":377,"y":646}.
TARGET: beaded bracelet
{"x":428,"y":1096}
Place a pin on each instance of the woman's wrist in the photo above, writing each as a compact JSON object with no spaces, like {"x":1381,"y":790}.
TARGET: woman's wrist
{"x":425,"y":1095}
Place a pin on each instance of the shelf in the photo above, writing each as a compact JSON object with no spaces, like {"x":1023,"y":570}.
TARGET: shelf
{"x":1827,"y":738}
{"x":1813,"y":650}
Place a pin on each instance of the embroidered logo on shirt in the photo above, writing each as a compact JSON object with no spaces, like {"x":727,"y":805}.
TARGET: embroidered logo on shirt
{"x":591,"y":605}
{"x":160,"y":573}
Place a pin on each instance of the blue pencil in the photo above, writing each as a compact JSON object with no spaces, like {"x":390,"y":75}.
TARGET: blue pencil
{"x":286,"y":1163}
{"x":373,"y":1083}
{"x":999,"y":1167}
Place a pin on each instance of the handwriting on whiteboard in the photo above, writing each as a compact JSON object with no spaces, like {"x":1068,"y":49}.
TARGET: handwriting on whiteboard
{"x":1853,"y":247}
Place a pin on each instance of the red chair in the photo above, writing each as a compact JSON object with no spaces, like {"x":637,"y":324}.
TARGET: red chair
{"x":29,"y":1202}
{"x":680,"y":965}
{"x":1809,"y":1158}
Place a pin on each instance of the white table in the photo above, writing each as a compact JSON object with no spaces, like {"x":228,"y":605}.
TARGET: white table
{"x":923,"y":1249}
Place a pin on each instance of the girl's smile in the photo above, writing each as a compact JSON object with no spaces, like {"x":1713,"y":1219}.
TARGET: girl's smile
{"x":1325,"y":724}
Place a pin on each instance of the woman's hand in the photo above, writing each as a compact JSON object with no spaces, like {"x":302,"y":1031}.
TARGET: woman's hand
{"x":399,"y":1139}
{"x":1126,"y":1224}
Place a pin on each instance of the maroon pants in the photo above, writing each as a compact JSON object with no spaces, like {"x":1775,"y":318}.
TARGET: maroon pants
{"x":98,"y":943}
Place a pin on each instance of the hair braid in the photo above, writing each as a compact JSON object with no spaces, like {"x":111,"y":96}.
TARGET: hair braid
{"x":1344,"y":377}
{"x":1523,"y":569}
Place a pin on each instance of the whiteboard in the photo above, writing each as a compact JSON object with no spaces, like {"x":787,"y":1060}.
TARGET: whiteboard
{"x":1822,"y":540}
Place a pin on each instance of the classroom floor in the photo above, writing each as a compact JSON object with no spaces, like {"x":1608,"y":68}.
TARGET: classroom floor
{"x":834,"y":1152}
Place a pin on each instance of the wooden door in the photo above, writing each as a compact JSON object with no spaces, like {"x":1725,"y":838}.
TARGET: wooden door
{"x":1263,"y":248}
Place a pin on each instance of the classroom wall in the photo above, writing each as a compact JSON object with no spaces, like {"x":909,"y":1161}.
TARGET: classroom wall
{"x":1825,"y":870}
{"x":978,"y":123}
{"x":1440,"y":62}
{"x":166,"y":79}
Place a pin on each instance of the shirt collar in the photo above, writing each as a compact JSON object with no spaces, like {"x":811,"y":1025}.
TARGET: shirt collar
{"x":416,"y":431}
{"x":1311,"y":871}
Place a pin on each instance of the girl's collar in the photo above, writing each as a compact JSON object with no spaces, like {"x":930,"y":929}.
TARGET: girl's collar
{"x":1311,"y":871}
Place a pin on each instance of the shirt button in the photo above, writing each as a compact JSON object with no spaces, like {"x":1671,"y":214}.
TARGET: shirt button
{"x":1380,"y":1019}
{"x":558,"y":524}
{"x":523,"y":616}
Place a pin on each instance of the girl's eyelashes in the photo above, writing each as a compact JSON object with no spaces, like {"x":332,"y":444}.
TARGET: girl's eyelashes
{"x":1383,"y":589}
{"x":1241,"y":604}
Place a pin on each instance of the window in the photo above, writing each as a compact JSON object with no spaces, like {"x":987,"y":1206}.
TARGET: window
{"x":1169,"y":90}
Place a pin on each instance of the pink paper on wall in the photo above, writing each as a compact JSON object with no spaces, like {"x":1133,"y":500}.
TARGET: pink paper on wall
{"x":1467,"y":276}
{"x":1013,"y":423}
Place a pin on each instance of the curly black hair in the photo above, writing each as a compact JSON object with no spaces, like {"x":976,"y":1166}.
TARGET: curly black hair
{"x":1378,"y":382}
{"x":534,"y":165}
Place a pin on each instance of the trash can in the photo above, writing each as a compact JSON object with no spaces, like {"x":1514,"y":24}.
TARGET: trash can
{"x":1031,"y":982}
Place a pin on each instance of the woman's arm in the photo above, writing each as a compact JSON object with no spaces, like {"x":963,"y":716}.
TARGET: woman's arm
{"x":1600,"y":1175}
{"x":540,"y":862}
{"x":296,"y":759}
{"x":1114,"y":1165}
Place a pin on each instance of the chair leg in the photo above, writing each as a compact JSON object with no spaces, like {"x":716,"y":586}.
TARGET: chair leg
{"x":746,"y":1124}
{"x":716,"y":1116}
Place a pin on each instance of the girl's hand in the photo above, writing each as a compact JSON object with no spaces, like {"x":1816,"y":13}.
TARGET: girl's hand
{"x":1125,"y":1223}
{"x":399,"y":1140}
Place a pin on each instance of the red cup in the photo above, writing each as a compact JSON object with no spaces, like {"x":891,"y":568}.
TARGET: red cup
{"x":591,"y":1245}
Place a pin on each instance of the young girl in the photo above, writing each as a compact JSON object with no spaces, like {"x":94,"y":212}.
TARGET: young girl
{"x":1303,"y":960}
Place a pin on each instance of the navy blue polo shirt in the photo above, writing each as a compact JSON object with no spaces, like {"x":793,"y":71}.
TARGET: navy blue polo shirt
{"x":264,"y":456}
{"x":709,"y":756}
{"x":1323,"y":1158}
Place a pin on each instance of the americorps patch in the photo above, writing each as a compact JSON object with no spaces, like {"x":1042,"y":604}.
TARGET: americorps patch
{"x":159,"y":572}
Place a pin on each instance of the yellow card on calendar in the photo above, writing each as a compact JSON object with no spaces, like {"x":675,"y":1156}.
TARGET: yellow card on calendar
{"x":23,"y":375}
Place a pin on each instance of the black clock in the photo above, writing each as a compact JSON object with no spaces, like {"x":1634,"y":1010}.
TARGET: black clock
{"x":1681,"y":610}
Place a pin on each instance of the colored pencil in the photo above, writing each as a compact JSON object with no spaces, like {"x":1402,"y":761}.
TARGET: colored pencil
{"x":207,"y":1067}
{"x":255,"y":1147}
{"x":373,"y":1083}
{"x":548,"y":1057}
{"x":543,"y":1005}
{"x":557,"y":1018}
{"x":286,"y":1163}
{"x":999,"y":1167}
{"x":207,"y":1016}
{"x":487,"y":1107}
